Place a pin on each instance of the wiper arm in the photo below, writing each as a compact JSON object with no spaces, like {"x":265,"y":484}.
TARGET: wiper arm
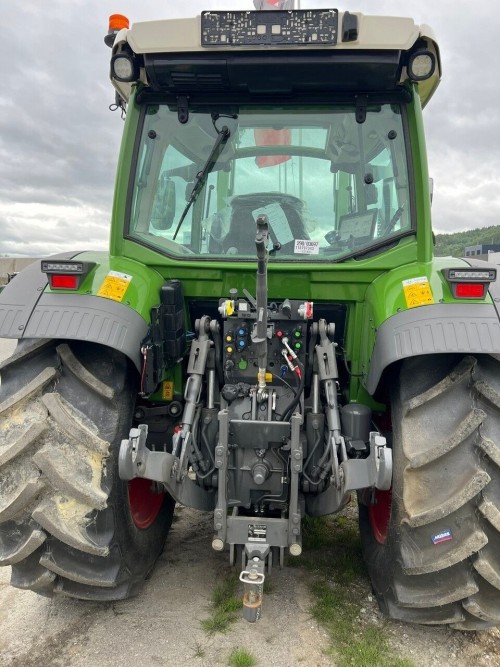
{"x":201,"y":176}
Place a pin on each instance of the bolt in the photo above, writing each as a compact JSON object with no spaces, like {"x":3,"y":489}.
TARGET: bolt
{"x":295,"y":531}
{"x":217,"y":544}
{"x":298,"y":455}
{"x":295,"y":519}
{"x":21,"y":327}
{"x":296,"y":467}
{"x":218,"y":526}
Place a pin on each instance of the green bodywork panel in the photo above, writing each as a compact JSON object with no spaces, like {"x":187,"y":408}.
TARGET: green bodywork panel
{"x":143,"y":289}
{"x":386,"y":296}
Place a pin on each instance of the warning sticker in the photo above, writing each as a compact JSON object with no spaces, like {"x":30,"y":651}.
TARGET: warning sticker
{"x":417,"y":292}
{"x":114,"y":286}
{"x":167,"y":390}
{"x":304,"y":247}
{"x":257,"y":532}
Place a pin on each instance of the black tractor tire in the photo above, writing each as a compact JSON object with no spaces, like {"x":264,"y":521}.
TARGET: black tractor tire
{"x":68,"y":525}
{"x":432,"y":544}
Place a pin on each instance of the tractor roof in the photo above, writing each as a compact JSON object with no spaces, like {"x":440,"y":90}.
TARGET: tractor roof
{"x":368,"y":53}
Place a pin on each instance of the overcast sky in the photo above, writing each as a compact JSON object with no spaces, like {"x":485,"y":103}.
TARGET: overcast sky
{"x":59,"y":142}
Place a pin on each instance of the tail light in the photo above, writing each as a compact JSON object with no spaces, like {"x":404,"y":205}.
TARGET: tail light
{"x":66,"y":275}
{"x":469,"y":283}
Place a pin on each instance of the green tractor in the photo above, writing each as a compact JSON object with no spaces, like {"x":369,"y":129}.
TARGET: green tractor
{"x":269,"y":333}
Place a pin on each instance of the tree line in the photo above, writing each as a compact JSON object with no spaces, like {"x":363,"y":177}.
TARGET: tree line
{"x":454,"y":244}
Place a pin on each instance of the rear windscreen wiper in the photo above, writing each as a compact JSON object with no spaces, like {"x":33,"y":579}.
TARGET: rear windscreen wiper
{"x":201,"y":177}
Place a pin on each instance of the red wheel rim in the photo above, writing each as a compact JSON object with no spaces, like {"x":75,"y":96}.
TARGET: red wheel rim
{"x":144,"y":503}
{"x":380,"y":514}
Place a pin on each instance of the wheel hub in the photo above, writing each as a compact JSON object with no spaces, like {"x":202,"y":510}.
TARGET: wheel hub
{"x":144,"y":502}
{"x":379,"y":512}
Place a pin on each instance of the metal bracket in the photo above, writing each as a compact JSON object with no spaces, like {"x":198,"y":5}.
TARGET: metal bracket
{"x":296,"y":457}
{"x":220,"y":514}
{"x":136,"y":460}
{"x":325,"y":352}
{"x":361,"y":105}
{"x":131,"y":456}
{"x":183,"y":109}
{"x":374,"y":471}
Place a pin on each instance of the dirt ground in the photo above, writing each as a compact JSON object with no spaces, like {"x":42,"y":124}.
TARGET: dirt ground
{"x":161,"y":627}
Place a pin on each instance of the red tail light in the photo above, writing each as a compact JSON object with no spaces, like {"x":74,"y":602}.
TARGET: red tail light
{"x":470,"y":290}
{"x":470,"y":282}
{"x":63,"y":282}
{"x":65,"y":274}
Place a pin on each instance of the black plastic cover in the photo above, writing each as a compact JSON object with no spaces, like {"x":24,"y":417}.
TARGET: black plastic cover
{"x":349,"y":27}
{"x":274,"y":72}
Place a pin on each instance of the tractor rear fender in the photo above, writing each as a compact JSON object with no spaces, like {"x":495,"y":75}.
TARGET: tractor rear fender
{"x":434,"y":329}
{"x":438,"y":324}
{"x":28,"y":309}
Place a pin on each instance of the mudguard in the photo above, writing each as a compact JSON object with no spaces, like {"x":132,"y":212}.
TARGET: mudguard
{"x":28,"y":309}
{"x":443,"y":327}
{"x":437,"y":329}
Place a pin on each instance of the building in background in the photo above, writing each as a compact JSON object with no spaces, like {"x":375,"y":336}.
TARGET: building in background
{"x":482,"y":251}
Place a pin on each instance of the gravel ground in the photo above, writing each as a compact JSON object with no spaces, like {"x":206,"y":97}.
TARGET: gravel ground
{"x":162,"y":625}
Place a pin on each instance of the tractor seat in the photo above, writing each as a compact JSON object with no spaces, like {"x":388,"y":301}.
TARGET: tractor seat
{"x":286,"y":223}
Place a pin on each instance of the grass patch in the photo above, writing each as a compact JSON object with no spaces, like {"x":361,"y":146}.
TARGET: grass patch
{"x":226,"y":604}
{"x":332,"y":553}
{"x":241,"y":658}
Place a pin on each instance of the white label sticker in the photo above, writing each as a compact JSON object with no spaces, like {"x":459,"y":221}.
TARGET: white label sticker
{"x":414,"y":281}
{"x":278,"y":222}
{"x":304,"y":247}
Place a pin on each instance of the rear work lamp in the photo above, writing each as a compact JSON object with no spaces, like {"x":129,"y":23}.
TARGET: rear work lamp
{"x":469,"y":283}
{"x":66,"y":275}
{"x":124,"y":67}
{"x":421,"y":65}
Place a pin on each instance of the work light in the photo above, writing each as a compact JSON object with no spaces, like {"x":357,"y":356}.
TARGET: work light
{"x":421,"y":65}
{"x":124,"y":67}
